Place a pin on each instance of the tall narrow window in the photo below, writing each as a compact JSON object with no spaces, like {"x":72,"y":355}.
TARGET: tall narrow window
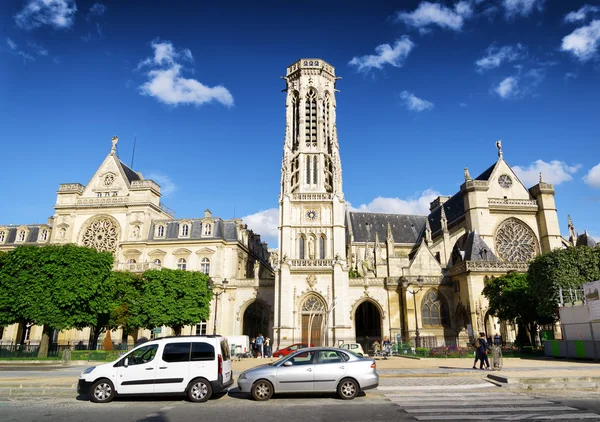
{"x":295,"y":120}
{"x":160,"y":231}
{"x":310,"y":118}
{"x":21,"y":237}
{"x":207,"y":229}
{"x":314,"y":170}
{"x":185,"y":230}
{"x":205,"y":265}
{"x":308,"y":161}
{"x":326,"y":123}
{"x":44,"y":235}
{"x":181,"y":264}
{"x":301,"y":247}
{"x":2,"y":236}
{"x":322,"y":247}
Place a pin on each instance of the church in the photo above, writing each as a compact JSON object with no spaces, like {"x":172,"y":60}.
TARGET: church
{"x":337,"y":275}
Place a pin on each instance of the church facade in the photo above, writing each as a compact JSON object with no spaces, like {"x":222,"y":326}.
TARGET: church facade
{"x":337,"y":275}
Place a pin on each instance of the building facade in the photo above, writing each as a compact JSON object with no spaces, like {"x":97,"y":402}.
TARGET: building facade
{"x":337,"y":275}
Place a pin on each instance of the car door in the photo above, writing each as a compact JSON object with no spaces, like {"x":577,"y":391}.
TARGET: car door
{"x":172,"y":373}
{"x":296,"y":373}
{"x":137,"y":377}
{"x":329,"y":369}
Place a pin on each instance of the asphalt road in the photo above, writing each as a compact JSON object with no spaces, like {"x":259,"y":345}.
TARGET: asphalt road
{"x":496,"y":404}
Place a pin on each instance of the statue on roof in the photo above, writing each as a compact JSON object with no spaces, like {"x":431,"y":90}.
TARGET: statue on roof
{"x":499,"y":146}
{"x":114,"y":140}
{"x":467,"y":175}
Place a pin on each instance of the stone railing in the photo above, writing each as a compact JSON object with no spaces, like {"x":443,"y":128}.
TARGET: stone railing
{"x":71,"y":187}
{"x":513,"y":202}
{"x":313,"y":196}
{"x":108,"y":200}
{"x":490,"y":266}
{"x":251,"y":282}
{"x":311,"y":263}
{"x":145,"y":184}
{"x":138,"y":267}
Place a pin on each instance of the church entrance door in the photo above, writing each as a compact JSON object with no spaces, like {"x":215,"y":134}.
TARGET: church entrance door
{"x":313,"y":320}
{"x":367,"y":324}
{"x":256,"y":321}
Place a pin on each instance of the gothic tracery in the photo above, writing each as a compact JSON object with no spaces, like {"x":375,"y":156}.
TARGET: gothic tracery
{"x":101,"y":235}
{"x":515,"y":242}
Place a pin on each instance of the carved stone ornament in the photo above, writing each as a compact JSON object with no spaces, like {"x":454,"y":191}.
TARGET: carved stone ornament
{"x":101,"y":235}
{"x":515,"y":242}
{"x":313,"y":304}
{"x":311,"y":280}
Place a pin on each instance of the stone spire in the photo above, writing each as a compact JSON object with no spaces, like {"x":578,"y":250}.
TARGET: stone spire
{"x":572,"y":237}
{"x":390,"y":236}
{"x":444,"y":220}
{"x":428,"y":230}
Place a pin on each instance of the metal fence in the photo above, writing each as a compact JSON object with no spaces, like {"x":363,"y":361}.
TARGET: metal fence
{"x":54,"y":350}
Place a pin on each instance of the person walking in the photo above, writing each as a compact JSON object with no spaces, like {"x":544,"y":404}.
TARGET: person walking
{"x":376,"y":347}
{"x":483,"y":349}
{"x":267,"y":347}
{"x":253,"y":347}
{"x":475,"y":345}
{"x":260,"y":345}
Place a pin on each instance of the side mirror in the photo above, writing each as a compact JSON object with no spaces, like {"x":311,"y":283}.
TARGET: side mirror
{"x":287,"y":363}
{"x":126,"y":362}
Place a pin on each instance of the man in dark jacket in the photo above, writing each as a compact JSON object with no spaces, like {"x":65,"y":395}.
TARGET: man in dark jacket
{"x":483,"y":348}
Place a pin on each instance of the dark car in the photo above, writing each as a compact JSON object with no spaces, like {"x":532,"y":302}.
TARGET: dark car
{"x":286,"y":351}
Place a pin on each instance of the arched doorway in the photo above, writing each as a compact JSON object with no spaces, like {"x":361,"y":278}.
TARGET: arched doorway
{"x":367,"y":324}
{"x":256,"y":320}
{"x":313,"y":320}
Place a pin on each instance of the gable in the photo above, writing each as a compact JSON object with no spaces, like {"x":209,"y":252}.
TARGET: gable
{"x":516,"y":190}
{"x":113,"y":178}
{"x":424,"y":262}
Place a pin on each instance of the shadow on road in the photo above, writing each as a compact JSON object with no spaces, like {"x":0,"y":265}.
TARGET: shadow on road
{"x":237,"y":394}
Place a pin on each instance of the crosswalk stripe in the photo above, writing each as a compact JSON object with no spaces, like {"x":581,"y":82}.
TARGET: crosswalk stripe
{"x":489,"y":409}
{"x":412,"y":399}
{"x":504,"y":417}
{"x":457,"y":395}
{"x":476,"y":403}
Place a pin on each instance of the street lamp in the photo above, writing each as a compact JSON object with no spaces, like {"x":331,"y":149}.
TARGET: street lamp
{"x":222,"y":287}
{"x":413,"y":292}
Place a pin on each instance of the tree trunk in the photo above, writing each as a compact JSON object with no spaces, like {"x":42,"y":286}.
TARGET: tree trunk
{"x":522,"y":338}
{"x":96,"y":333}
{"x":533,"y":334}
{"x":43,"y":350}
{"x":177,"y":329}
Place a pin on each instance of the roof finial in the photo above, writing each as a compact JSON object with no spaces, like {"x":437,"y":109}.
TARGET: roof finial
{"x":499,"y":146}
{"x":572,"y":237}
{"x":541,"y":178}
{"x":467,"y":175}
{"x":390,"y":236}
{"x":427,"y":231}
{"x":115,"y":139}
{"x":444,"y":220}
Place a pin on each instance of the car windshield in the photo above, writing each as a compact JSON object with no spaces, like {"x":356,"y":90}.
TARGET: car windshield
{"x":352,"y":353}
{"x":278,"y":361}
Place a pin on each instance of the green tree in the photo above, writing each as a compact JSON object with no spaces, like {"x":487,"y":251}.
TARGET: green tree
{"x":57,"y":286}
{"x":510,"y":299}
{"x":173,"y":298}
{"x":566,"y":268}
{"x":128,"y":295}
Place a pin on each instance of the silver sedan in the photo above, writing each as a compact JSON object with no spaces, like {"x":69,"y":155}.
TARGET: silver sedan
{"x":316,"y":369}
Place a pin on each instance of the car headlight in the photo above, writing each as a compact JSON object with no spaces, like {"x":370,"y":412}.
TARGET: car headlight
{"x":88,"y":370}
{"x":243,"y":376}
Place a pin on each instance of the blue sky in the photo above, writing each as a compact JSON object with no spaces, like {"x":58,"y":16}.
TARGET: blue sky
{"x":427,"y":89}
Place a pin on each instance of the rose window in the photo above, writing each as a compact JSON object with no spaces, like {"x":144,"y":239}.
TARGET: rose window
{"x":313,"y":304}
{"x":101,"y":235}
{"x":515,"y":242}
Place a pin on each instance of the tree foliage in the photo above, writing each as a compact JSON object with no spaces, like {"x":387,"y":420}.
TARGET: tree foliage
{"x":564,"y":268}
{"x":173,"y":298}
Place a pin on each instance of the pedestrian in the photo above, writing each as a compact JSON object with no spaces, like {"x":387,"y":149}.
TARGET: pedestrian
{"x":475,"y":344}
{"x":260,"y":345}
{"x":376,"y":347}
{"x":253,"y":347}
{"x":497,"y":339}
{"x":267,"y":347}
{"x":483,"y":349}
{"x":387,"y":347}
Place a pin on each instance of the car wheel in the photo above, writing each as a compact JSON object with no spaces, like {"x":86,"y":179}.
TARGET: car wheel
{"x":102,"y":391}
{"x":199,"y":391}
{"x":347,"y":389}
{"x":262,"y":390}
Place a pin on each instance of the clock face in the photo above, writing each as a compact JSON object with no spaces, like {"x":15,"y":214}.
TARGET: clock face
{"x":505,"y":181}
{"x":311,"y":215}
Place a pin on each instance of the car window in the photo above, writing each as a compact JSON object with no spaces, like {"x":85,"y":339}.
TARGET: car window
{"x":293,"y":347}
{"x":329,"y":356}
{"x":354,"y":346}
{"x":306,"y":358}
{"x":177,"y":352}
{"x":226,"y":353}
{"x":202,"y":351}
{"x":142,"y":355}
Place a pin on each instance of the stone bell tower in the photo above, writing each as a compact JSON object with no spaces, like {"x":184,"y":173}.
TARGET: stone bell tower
{"x":312,"y":267}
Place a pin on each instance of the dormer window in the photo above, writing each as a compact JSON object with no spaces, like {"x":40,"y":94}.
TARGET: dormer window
{"x":185,"y":230}
{"x":2,"y":236}
{"x":160,"y":231}
{"x":21,"y":236}
{"x":207,"y":229}
{"x":43,"y":235}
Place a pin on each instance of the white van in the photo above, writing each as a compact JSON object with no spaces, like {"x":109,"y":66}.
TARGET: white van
{"x":194,"y":365}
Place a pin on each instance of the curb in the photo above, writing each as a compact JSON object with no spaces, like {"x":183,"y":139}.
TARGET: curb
{"x":49,"y":391}
{"x":545,"y":383}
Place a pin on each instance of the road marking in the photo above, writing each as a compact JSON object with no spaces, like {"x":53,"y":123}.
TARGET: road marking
{"x":435,"y":387}
{"x":488,"y":409}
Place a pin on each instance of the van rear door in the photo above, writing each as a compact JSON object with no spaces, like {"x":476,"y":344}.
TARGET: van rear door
{"x":226,"y":365}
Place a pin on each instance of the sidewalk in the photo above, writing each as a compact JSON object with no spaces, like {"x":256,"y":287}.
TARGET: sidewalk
{"x":397,"y":373}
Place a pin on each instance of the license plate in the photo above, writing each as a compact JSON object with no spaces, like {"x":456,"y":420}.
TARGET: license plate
{"x":226,"y":376}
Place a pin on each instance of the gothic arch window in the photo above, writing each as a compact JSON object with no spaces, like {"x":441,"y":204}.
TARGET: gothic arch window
{"x":322,"y":247}
{"x":310,"y":118}
{"x":21,"y":236}
{"x":181,"y":264}
{"x":308,"y":162}
{"x":295,"y":120}
{"x":102,"y":235}
{"x":326,"y":123}
{"x":314,"y":170}
{"x":313,"y":303}
{"x":515,"y":241}
{"x":434,"y":309}
{"x":160,"y":231}
{"x":301,"y":247}
{"x":205,"y":265}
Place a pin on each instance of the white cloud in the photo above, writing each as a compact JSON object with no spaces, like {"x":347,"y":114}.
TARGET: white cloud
{"x":14,"y":49}
{"x":265,"y":223}
{"x":59,"y":14}
{"x":414,"y":103}
{"x":437,"y":14}
{"x":168,"y":86}
{"x":508,"y":88}
{"x":593,"y":177}
{"x":581,"y":14}
{"x":555,"y":172}
{"x":522,"y":7}
{"x":167,"y":186}
{"x":97,"y":9}
{"x":570,"y":75}
{"x":583,"y":42}
{"x":418,"y":205}
{"x":386,"y":54}
{"x":496,"y":56}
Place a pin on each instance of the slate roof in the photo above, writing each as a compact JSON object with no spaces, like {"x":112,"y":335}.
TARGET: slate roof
{"x":129,"y":173}
{"x":454,"y":209}
{"x":32,"y":234}
{"x":471,"y":247}
{"x":586,"y":240}
{"x":225,"y":230}
{"x":486,"y":174}
{"x":405,"y":228}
